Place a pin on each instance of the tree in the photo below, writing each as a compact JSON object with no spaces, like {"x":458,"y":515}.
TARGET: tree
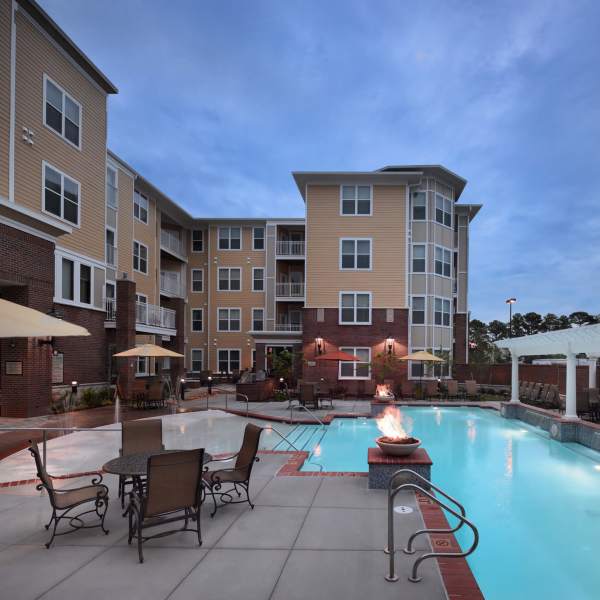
{"x":579,"y":318}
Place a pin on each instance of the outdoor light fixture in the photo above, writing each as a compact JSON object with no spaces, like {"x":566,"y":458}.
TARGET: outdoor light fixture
{"x":209,"y":385}
{"x":319,"y":344}
{"x":510,"y":302}
{"x":73,"y":387}
{"x":389,"y":342}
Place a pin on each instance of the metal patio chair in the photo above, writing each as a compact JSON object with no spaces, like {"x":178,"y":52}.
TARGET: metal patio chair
{"x":471,"y":389}
{"x":173,"y":493}
{"x":236,"y":477}
{"x":63,"y":501}
{"x":451,"y":388}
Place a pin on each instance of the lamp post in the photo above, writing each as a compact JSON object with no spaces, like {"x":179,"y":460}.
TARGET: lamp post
{"x":510,"y":302}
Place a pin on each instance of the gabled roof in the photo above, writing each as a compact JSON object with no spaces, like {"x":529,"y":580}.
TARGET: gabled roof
{"x":458,"y":182}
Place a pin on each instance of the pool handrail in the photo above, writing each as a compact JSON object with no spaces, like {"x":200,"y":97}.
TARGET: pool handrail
{"x":283,"y":437}
{"x":310,"y":412}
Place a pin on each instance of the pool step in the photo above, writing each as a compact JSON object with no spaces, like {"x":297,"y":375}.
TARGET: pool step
{"x":302,"y":437}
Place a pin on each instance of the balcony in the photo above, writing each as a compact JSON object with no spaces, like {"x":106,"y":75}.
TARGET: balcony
{"x":289,"y":290}
{"x":172,"y":284}
{"x":295,"y":327}
{"x":111,"y":255}
{"x":110,"y":305}
{"x":171,"y":242}
{"x":290,"y":249}
{"x":146,"y":315}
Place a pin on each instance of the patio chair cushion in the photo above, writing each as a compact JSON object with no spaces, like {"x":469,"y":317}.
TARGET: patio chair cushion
{"x":84,"y":494}
{"x":212,"y":477}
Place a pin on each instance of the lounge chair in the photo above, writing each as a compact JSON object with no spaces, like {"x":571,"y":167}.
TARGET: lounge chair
{"x":471,"y":390}
{"x":65,"y":500}
{"x":144,"y":435}
{"x":407,"y":388}
{"x":173,"y":493}
{"x":594,"y":400}
{"x":431,"y":390}
{"x":451,"y":388}
{"x":308,"y":395}
{"x":238,"y":476}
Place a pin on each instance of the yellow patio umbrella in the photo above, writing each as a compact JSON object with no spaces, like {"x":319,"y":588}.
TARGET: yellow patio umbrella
{"x":18,"y":321}
{"x":422,"y":356}
{"x":149,"y":350}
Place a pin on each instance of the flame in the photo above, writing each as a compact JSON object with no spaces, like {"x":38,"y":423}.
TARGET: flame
{"x":390,"y":423}
{"x":384,"y":390}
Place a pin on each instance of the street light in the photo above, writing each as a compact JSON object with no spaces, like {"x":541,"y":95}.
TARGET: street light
{"x":510,"y":302}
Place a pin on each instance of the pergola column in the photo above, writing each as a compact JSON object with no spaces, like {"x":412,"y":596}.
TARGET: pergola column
{"x":571,"y":387}
{"x":592,"y":371}
{"x":514,"y":381}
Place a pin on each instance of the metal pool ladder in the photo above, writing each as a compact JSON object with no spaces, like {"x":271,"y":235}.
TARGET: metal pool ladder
{"x":461,"y":516}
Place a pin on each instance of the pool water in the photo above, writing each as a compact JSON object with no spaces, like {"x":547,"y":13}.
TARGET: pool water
{"x":535,"y":501}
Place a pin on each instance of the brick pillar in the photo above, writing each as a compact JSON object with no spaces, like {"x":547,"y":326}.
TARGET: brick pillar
{"x":125,"y":334}
{"x":461,"y":333}
{"x":260,"y":356}
{"x":177,"y":341}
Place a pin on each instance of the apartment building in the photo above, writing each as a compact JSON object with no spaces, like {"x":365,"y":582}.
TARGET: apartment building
{"x":84,"y":236}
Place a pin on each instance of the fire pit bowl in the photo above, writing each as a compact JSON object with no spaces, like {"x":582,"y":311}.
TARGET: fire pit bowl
{"x":403,"y":447}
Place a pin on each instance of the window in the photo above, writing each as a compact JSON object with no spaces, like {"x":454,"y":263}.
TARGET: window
{"x":140,"y":207}
{"x":355,"y":308}
{"x":68,"y":274}
{"x":85,"y":284}
{"x":62,"y":113}
{"x":418,"y":310}
{"x":228,"y":361}
{"x":142,"y":366}
{"x":355,"y":254}
{"x":196,"y":360}
{"x":111,"y":250}
{"x":196,"y":319}
{"x":258,"y":238}
{"x":197,"y":240}
{"x":110,"y":291}
{"x":442,"y":369}
{"x":356,"y":200}
{"x":443,"y":210}
{"x":441,"y":313}
{"x":417,"y":369}
{"x":229,"y":319}
{"x":197,"y":280}
{"x":258,"y":279}
{"x":419,"y":206}
{"x":230,"y":279}
{"x":61,"y":195}
{"x":111,"y":187}
{"x":140,"y":257}
{"x":230,"y":238}
{"x":443,"y":260}
{"x":356,"y":370}
{"x":257,"y":319}
{"x":418,"y":258}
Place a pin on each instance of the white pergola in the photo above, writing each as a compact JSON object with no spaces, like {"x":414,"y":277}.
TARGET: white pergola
{"x":569,"y":342}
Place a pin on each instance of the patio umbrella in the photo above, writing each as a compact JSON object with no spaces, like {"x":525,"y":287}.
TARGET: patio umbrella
{"x":18,"y":321}
{"x":423,"y":357}
{"x":149,"y":350}
{"x":337,"y":356}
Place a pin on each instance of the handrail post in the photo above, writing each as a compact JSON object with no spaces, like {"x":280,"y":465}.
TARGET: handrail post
{"x":44,"y":440}
{"x":391,"y":576}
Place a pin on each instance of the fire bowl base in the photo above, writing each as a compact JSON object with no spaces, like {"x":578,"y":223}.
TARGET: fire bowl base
{"x":382,"y":467}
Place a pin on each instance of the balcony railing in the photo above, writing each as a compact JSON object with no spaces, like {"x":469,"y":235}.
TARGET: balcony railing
{"x":290,"y":248}
{"x":111,"y":255}
{"x":170,"y":241}
{"x":288,"y":326}
{"x":154,"y":316}
{"x":289,"y":290}
{"x":172,"y":282}
{"x":110,"y":305}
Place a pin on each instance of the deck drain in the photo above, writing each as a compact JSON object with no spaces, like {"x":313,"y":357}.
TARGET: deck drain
{"x":403,"y":510}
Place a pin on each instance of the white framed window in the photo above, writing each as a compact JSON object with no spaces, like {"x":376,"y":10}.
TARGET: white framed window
{"x":229,"y":319}
{"x":85,"y":284}
{"x":442,"y":369}
{"x":74,"y":281}
{"x":443,"y":210}
{"x":258,"y":322}
{"x":417,"y":368}
{"x":443,"y":261}
{"x":356,"y":370}
{"x":355,"y":308}
{"x":230,"y":279}
{"x":258,"y":279}
{"x":356,"y":200}
{"x":142,"y":367}
{"x":355,"y":254}
{"x":112,"y":187}
{"x":196,"y":360}
{"x":197,"y":321}
{"x":197,"y":280}
{"x":62,"y":113}
{"x":418,"y":310}
{"x":197,"y":240}
{"x":111,"y":247}
{"x":230,"y":238}
{"x":68,"y":279}
{"x":441,"y":312}
{"x":110,"y":290}
{"x":140,"y":257}
{"x":418,"y":258}
{"x":61,"y":195}
{"x":419,"y":205}
{"x":140,"y":207}
{"x":258,"y":238}
{"x":228,"y":359}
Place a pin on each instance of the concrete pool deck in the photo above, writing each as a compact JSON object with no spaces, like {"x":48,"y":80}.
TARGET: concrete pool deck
{"x":307,"y":538}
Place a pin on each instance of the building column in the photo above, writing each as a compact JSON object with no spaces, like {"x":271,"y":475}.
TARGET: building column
{"x":592,"y":371}
{"x":514,"y":383}
{"x":177,"y":342}
{"x":571,"y":387}
{"x":125,"y":335}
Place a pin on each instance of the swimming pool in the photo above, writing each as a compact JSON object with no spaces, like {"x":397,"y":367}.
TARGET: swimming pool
{"x":535,"y":501}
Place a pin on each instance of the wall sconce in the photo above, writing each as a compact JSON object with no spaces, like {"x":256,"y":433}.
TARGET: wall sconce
{"x":74,"y":385}
{"x":389,"y":343}
{"x":46,"y":341}
{"x":318,"y":345}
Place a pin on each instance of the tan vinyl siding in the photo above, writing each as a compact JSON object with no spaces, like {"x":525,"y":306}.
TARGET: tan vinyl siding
{"x":387,"y":228}
{"x":197,"y":260}
{"x":125,"y":224}
{"x":36,"y":56}
{"x":147,"y":235}
{"x":5,"y":18}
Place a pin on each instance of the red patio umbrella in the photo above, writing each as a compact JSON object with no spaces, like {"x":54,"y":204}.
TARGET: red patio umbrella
{"x":337,"y":356}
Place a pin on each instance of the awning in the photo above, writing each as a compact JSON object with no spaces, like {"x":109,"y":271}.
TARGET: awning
{"x":18,"y":321}
{"x":149,"y":350}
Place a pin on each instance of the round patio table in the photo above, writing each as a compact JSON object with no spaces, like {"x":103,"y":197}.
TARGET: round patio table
{"x":136,"y":465}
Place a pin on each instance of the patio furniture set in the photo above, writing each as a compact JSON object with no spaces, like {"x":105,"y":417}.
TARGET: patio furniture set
{"x":546,"y":395}
{"x":165,"y":486}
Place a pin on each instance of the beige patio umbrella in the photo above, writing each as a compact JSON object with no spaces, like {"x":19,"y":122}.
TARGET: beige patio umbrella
{"x":423,"y":357}
{"x":149,"y":350}
{"x":18,"y":321}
